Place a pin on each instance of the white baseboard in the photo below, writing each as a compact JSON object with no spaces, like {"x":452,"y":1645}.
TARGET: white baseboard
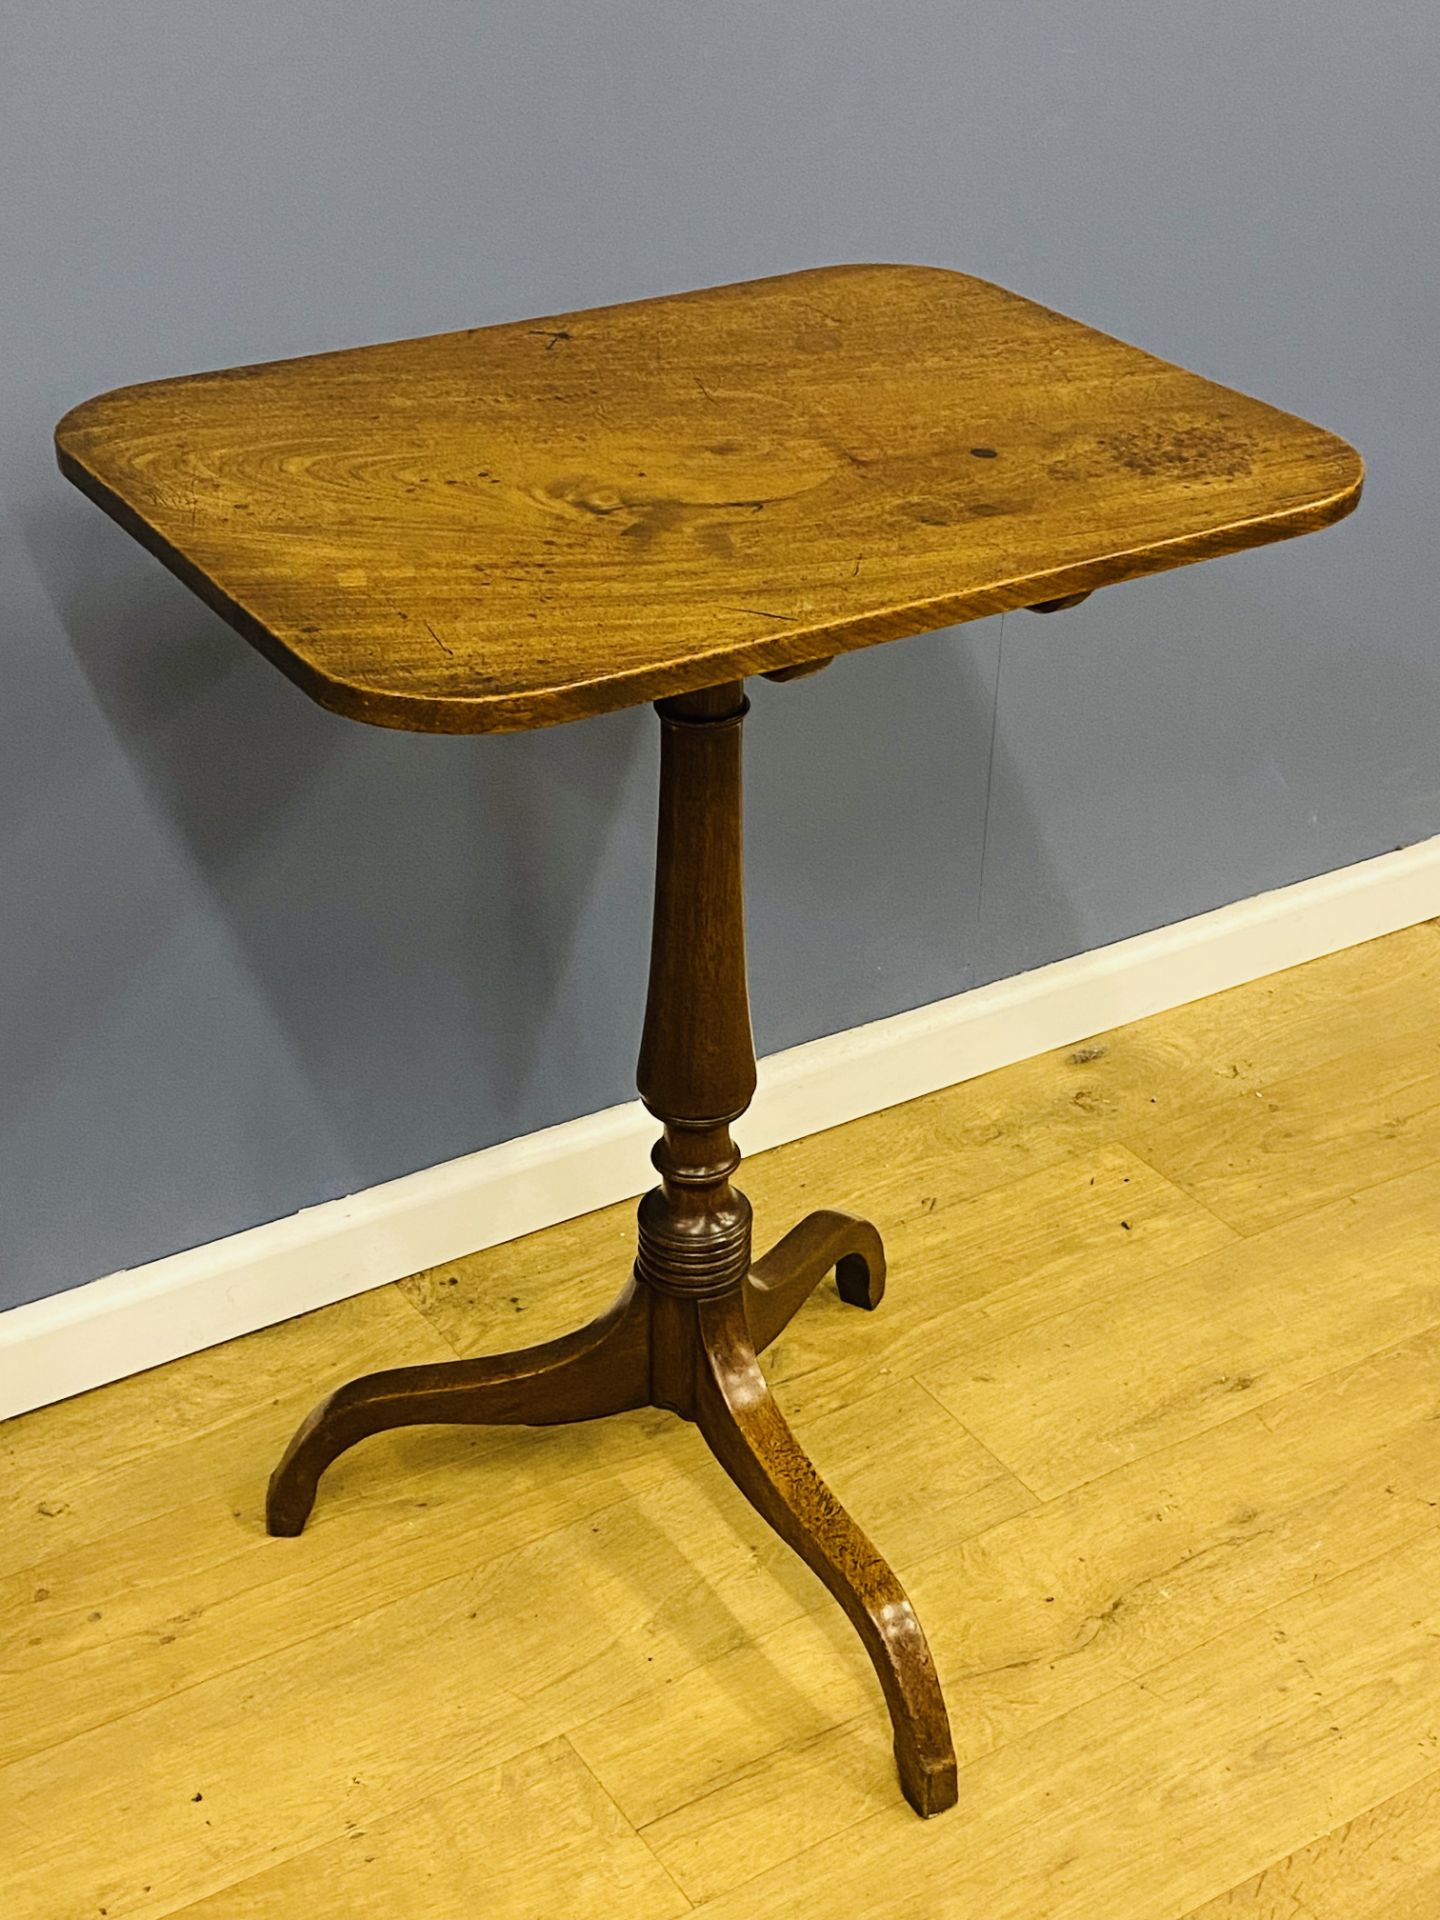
{"x":128,"y":1321}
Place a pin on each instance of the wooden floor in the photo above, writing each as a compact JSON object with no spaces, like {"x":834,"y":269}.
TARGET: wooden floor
{"x":1149,"y":1423}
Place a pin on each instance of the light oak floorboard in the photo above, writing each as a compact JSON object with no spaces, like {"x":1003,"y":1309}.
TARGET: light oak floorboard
{"x":1310,"y":1138}
{"x":622,"y":1528}
{"x":1036,"y":1616}
{"x":1143,"y":1801}
{"x":274,"y":1756}
{"x":1382,"y":1865}
{"x":1290,"y":1023}
{"x":72,"y":1472}
{"x":1147,"y":1423}
{"x":1126,"y":1372}
{"x":526,"y":1840}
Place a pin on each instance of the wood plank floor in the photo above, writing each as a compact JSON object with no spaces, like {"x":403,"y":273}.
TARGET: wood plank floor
{"x":1149,"y":1423}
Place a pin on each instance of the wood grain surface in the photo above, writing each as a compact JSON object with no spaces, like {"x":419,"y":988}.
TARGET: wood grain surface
{"x":516,"y":525}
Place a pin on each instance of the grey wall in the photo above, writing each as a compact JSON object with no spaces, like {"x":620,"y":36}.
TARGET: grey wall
{"x":252,"y":956}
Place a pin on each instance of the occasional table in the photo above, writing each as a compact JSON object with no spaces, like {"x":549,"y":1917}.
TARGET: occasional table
{"x":517,"y":525}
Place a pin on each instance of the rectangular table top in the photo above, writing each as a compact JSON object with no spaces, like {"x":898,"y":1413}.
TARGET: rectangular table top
{"x":520,"y":524}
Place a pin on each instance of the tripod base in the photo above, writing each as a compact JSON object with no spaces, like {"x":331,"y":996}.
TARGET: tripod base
{"x":695,"y":1353}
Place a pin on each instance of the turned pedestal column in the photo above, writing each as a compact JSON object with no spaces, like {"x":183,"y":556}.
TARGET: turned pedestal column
{"x":688,"y":1327}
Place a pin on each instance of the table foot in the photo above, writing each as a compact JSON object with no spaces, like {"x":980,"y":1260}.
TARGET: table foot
{"x":749,"y":1437}
{"x":782,"y":1280}
{"x":599,"y":1369}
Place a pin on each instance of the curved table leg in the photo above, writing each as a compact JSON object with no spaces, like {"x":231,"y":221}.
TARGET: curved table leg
{"x":748,"y":1435}
{"x":782,"y":1280}
{"x":598,"y":1369}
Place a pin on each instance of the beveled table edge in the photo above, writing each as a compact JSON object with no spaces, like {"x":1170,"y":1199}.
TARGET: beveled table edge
{"x":786,"y":646}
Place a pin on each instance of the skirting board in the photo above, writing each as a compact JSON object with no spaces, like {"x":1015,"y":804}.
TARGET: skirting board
{"x":135,"y":1319}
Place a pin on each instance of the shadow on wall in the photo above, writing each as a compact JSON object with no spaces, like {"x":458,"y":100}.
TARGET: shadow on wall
{"x":1192,"y":740}
{"x":870,"y":807}
{"x":872,"y":818}
{"x":443,"y":939}
{"x":1348,"y":745}
{"x":407,"y":907}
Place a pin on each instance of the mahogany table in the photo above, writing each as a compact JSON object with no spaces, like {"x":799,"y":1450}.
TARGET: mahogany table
{"x":517,"y":525}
